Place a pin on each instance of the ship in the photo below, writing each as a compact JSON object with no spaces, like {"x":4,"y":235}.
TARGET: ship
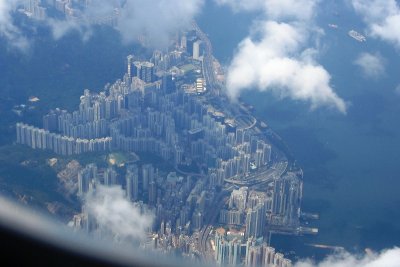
{"x":357,"y":36}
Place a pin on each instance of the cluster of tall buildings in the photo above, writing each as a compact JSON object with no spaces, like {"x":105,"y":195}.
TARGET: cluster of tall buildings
{"x":37,"y":138}
{"x":150,"y":110}
{"x":87,"y":179}
{"x":34,"y":8}
{"x":286,"y":204}
{"x":247,"y":208}
{"x":234,"y":249}
{"x":178,"y":201}
{"x":72,"y":9}
{"x":192,"y":45}
{"x":149,"y":113}
{"x":144,"y":70}
{"x":252,"y":210}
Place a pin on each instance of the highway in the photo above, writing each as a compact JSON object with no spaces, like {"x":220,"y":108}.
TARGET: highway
{"x":208,"y":61}
{"x":207,"y":228}
{"x":262,"y":176}
{"x":241,"y":121}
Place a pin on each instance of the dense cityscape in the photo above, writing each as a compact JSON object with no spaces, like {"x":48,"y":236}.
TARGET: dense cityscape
{"x":230,"y":186}
{"x":146,"y":132}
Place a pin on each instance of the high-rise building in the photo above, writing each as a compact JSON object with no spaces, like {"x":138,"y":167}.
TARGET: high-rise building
{"x":85,"y":178}
{"x":197,"y":49}
{"x":228,"y":251}
{"x":148,"y":176}
{"x":152,"y":193}
{"x":168,"y":84}
{"x":238,"y":199}
{"x":129,"y":61}
{"x":287,"y":196}
{"x":189,"y":44}
{"x":255,"y":221}
{"x":110,"y":177}
{"x":144,"y":70}
{"x":183,"y":43}
{"x":253,"y":256}
{"x":132,"y":182}
{"x":261,"y":255}
{"x":50,"y":121}
{"x":197,"y":220}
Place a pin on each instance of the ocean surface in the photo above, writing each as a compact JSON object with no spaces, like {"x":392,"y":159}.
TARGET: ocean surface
{"x":351,"y":162}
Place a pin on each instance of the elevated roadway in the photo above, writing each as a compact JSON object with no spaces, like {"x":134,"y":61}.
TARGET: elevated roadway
{"x":261,"y":176}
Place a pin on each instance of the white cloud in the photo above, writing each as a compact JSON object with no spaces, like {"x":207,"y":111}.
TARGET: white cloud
{"x":157,"y":19}
{"x":382,"y":18}
{"x":275,"y":9}
{"x":372,"y":65}
{"x":387,"y":258}
{"x":397,"y":90}
{"x":276,"y":58}
{"x":116,"y":215}
{"x":60,"y":28}
{"x":238,"y":5}
{"x":7,"y":27}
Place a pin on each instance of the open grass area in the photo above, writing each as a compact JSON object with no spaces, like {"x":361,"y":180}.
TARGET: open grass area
{"x":121,"y":158}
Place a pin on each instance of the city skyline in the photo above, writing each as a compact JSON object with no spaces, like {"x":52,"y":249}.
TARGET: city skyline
{"x":163,"y":130}
{"x":154,"y":110}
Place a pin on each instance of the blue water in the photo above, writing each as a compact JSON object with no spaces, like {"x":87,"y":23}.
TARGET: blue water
{"x":351,"y":162}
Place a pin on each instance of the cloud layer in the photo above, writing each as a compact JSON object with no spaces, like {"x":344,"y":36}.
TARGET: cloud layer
{"x":382,"y":18}
{"x":7,"y":27}
{"x":397,"y":89}
{"x":372,"y":65}
{"x":116,"y":215}
{"x":275,"y":9}
{"x":387,"y":258}
{"x":275,"y":56}
{"x":157,"y":19}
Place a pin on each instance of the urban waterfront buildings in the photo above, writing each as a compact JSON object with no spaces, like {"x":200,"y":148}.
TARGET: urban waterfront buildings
{"x":231,"y":248}
{"x":227,"y":171}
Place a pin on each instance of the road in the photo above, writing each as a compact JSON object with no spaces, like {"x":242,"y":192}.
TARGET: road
{"x":208,"y":61}
{"x":211,"y":218}
{"x":240,"y":119}
{"x":262,"y":176}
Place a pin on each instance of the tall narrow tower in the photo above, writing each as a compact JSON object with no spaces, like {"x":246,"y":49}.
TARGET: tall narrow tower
{"x":129,"y":65}
{"x":132,"y":183}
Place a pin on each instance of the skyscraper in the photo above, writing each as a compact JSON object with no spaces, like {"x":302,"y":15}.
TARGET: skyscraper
{"x":255,"y":221}
{"x":148,"y":176}
{"x":129,"y":60}
{"x":144,"y":70}
{"x":85,"y":177}
{"x":189,"y":44}
{"x":197,"y":49}
{"x":287,"y":198}
{"x":227,"y":252}
{"x":110,"y":177}
{"x":132,"y":182}
{"x":152,"y":193}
